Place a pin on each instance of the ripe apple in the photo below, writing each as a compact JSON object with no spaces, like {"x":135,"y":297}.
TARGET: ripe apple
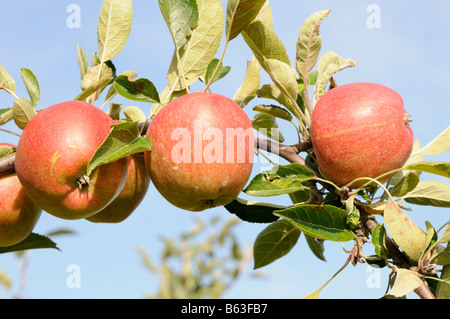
{"x":202,"y":151}
{"x":360,"y":130}
{"x":52,"y":156}
{"x":18,"y":214}
{"x":136,"y":186}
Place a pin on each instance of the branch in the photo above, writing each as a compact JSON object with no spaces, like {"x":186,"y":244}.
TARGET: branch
{"x":7,"y":164}
{"x":290,"y":153}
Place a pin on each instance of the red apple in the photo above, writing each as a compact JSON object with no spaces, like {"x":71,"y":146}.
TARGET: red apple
{"x":136,"y":186}
{"x":18,"y":213}
{"x":52,"y":156}
{"x":360,"y":130}
{"x":202,"y":151}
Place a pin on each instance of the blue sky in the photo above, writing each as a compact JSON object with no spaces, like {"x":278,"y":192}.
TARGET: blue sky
{"x":408,"y":52}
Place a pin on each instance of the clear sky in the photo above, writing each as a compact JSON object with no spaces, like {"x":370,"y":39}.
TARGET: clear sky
{"x":407,"y":51}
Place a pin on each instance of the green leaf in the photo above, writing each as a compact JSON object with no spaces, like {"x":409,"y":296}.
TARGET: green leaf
{"x":266,"y":124}
{"x":317,"y":247}
{"x":194,"y":56}
{"x":112,"y":91}
{"x":406,"y":184}
{"x":6,"y":150}
{"x":95,"y":87}
{"x":326,"y":222}
{"x":274,"y":242}
{"x":273,"y":110}
{"x":405,"y":282}
{"x":283,"y":76}
{"x":253,"y":212}
{"x":443,"y":287}
{"x":83,"y":61}
{"x":6,"y":115}
{"x":6,"y":80}
{"x":406,"y":234}
{"x":429,"y":193}
{"x":309,"y":43}
{"x":271,"y":91}
{"x":134,"y":114}
{"x":240,"y":13}
{"x":32,"y":86}
{"x":33,"y":241}
{"x":222,"y":71}
{"x":23,"y":111}
{"x":282,"y":179}
{"x":123,"y":140}
{"x":379,"y":240}
{"x":181,"y":17}
{"x":250,"y":85}
{"x":264,"y":43}
{"x":113,"y":27}
{"x":142,"y":90}
{"x":329,"y":64}
{"x":433,"y":167}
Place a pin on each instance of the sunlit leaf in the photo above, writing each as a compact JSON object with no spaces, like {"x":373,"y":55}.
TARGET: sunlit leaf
{"x":32,"y":86}
{"x":274,"y":242}
{"x":83,"y":61}
{"x":329,"y":64}
{"x":252,"y":79}
{"x":438,"y":145}
{"x":379,"y":240}
{"x":273,"y":110}
{"x":309,"y":43}
{"x":23,"y":112}
{"x":6,"y":115}
{"x":222,"y":71}
{"x":430,"y":193}
{"x":406,"y":234}
{"x":134,"y":114}
{"x":6,"y":79}
{"x":433,"y":167}
{"x":266,"y":125}
{"x":195,"y":55}
{"x":240,"y":13}
{"x":181,"y":16}
{"x":405,"y":282}
{"x":113,"y":27}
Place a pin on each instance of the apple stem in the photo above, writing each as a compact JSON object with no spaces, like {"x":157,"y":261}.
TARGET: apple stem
{"x":83,"y":182}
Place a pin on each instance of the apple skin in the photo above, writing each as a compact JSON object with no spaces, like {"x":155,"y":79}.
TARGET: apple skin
{"x":18,"y":213}
{"x":360,"y":130}
{"x":53,"y":153}
{"x":199,"y":183}
{"x":132,"y":194}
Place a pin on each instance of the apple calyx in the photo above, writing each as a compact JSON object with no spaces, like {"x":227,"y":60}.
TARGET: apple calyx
{"x":406,"y":118}
{"x":83,"y":182}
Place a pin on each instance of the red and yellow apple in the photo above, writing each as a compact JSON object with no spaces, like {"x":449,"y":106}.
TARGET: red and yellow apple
{"x":132,"y":194}
{"x":18,"y":214}
{"x":52,"y":157}
{"x":202,"y":151}
{"x":360,"y":130}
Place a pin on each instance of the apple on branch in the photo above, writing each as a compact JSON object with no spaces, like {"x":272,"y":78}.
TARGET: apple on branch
{"x":202,"y":151}
{"x":360,"y":130}
{"x":18,"y":213}
{"x":52,"y":156}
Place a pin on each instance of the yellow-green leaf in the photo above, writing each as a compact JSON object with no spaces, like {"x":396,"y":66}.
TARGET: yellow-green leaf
{"x":406,"y":234}
{"x":23,"y":111}
{"x":113,"y":27}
